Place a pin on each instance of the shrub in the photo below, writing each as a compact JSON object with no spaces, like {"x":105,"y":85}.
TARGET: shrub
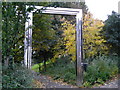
{"x":100,"y":69}
{"x":18,"y":77}
{"x":0,"y":75}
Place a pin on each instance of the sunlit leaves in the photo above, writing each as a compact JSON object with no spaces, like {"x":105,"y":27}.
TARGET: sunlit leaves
{"x":69,"y":39}
{"x":92,"y":40}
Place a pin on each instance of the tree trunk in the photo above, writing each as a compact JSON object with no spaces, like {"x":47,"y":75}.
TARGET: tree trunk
{"x":44,"y":64}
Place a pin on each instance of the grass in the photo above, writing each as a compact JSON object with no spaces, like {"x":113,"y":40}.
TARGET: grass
{"x":36,"y":66}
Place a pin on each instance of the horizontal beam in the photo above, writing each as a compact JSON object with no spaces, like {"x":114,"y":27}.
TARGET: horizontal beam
{"x":58,"y":10}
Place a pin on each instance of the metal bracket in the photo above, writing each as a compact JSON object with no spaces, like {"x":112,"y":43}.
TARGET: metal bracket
{"x":84,"y":65}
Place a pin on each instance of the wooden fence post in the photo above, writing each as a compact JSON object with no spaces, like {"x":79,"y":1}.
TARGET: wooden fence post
{"x":79,"y":48}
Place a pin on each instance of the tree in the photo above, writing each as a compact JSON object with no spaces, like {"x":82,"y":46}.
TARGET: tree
{"x":67,"y":22}
{"x":13,"y":27}
{"x":69,"y":39}
{"x":56,"y":40}
{"x":111,"y":32}
{"x":93,"y":43}
{"x":13,"y":20}
{"x":43,"y":38}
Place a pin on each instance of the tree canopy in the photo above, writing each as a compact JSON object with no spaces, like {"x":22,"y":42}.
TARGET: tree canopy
{"x":111,"y":32}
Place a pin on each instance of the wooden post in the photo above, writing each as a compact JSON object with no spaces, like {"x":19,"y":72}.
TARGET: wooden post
{"x":79,"y":48}
{"x":28,"y":41}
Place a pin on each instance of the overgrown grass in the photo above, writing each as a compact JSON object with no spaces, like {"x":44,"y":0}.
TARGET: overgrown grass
{"x":16,"y":77}
{"x":98,"y":71}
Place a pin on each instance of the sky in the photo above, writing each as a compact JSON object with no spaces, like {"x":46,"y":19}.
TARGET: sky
{"x":102,"y":8}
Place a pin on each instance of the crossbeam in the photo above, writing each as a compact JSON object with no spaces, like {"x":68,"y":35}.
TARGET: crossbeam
{"x":59,"y":11}
{"x":57,"y":8}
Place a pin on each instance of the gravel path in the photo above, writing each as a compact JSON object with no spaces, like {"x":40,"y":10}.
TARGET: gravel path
{"x":49,"y":83}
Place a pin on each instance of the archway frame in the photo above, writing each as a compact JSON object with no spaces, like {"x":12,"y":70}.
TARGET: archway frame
{"x":59,"y":11}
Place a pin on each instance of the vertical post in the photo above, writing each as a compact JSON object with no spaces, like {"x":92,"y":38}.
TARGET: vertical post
{"x":25,"y":44}
{"x":28,"y":41}
{"x":79,"y":48}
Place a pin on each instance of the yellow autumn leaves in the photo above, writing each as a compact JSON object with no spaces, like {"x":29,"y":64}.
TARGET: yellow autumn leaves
{"x":93,"y":43}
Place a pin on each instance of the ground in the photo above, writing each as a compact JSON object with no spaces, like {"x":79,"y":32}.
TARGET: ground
{"x":47,"y":82}
{"x":43,"y":81}
{"x":110,"y":84}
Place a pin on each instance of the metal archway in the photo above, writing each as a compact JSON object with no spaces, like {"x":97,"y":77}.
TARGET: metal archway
{"x":60,"y":11}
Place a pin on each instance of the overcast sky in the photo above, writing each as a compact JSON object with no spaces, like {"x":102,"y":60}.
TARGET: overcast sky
{"x":101,"y":8}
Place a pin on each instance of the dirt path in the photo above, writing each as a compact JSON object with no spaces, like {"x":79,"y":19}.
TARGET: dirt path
{"x":47,"y":82}
{"x":112,"y":84}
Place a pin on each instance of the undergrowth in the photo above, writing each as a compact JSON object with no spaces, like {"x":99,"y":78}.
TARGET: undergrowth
{"x":16,"y":77}
{"x":98,"y":71}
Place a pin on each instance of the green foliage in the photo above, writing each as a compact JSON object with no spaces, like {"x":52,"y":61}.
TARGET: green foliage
{"x":18,"y":77}
{"x":98,"y":71}
{"x":0,"y":26}
{"x":43,"y":37}
{"x":14,"y":16}
{"x":0,"y":75}
{"x":40,"y":66}
{"x":62,"y":69}
{"x":48,"y":34}
{"x":101,"y":69}
{"x":13,"y":20}
{"x":111,"y":32}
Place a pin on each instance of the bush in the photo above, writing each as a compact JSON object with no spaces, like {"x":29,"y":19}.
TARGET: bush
{"x":0,"y":75}
{"x":101,"y":69}
{"x":18,"y":77}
